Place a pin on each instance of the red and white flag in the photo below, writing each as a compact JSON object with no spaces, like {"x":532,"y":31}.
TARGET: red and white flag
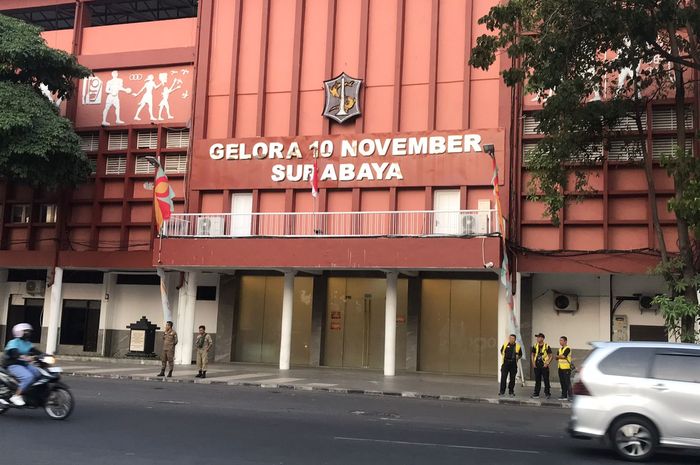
{"x":314,"y":179}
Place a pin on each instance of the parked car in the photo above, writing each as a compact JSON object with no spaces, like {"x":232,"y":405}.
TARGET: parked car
{"x":639,"y":396}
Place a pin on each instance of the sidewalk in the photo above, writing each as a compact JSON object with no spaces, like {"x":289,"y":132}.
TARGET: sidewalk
{"x":411,"y":385}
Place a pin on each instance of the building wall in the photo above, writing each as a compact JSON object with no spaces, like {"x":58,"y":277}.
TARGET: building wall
{"x":592,"y":321}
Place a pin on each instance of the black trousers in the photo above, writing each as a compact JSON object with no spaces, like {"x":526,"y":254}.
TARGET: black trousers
{"x":540,"y":374}
{"x":565,"y":381}
{"x":508,"y":368}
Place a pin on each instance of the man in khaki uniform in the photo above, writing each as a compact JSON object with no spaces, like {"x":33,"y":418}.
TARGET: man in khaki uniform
{"x":203,"y":343}
{"x":169,"y":343}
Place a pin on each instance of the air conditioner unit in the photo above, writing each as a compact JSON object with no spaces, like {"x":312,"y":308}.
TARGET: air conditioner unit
{"x":35,"y":287}
{"x":210,"y":226}
{"x":565,"y":302}
{"x":646,"y":304}
{"x":474,"y":224}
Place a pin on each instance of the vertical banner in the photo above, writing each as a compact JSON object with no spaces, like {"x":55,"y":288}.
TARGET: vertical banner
{"x":167,"y":311}
{"x":505,"y":274}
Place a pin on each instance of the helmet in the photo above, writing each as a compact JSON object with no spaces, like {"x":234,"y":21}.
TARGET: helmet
{"x":18,"y":330}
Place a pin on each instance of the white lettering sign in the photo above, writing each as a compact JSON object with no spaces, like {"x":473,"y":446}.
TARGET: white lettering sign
{"x":365,"y":148}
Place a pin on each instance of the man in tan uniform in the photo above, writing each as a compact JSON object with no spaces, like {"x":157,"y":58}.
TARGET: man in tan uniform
{"x":203,"y":343}
{"x":169,"y":343}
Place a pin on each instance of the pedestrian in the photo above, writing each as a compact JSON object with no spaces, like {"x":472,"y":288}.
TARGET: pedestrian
{"x":203,"y":343}
{"x":169,"y":343}
{"x":511,"y":353}
{"x":541,"y":357}
{"x":564,"y":359}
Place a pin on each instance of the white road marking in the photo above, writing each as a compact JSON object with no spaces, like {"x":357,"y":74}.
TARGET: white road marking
{"x":479,"y":431}
{"x":321,"y":385}
{"x":430,"y":444}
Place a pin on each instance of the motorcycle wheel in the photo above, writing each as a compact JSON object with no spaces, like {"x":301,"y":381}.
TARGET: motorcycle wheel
{"x":3,"y":409}
{"x":59,"y":404}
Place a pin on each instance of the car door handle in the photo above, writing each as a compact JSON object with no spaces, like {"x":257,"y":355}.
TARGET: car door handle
{"x":660,"y":387}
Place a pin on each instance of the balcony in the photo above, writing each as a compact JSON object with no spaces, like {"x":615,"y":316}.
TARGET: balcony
{"x":460,"y":223}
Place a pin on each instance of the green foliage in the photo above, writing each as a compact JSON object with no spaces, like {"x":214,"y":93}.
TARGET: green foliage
{"x":569,"y":47}
{"x":37,"y":145}
{"x":567,"y":53}
{"x":685,"y":169}
{"x":675,"y":311}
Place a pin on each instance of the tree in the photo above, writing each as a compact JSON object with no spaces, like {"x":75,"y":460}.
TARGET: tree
{"x":566,"y":52}
{"x":37,"y":145}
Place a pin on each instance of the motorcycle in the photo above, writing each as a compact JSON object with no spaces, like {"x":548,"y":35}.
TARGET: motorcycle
{"x":47,"y":392}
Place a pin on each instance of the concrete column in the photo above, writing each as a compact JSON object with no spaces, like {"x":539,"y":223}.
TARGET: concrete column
{"x":287,"y":314}
{"x":54,"y":316}
{"x":109,"y":285}
{"x":604,"y":309}
{"x":390,"y":324}
{"x":186,"y":308}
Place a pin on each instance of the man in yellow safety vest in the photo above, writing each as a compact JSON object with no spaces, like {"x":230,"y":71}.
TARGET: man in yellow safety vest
{"x":511,"y":353}
{"x":541,"y":357}
{"x":564,"y":358}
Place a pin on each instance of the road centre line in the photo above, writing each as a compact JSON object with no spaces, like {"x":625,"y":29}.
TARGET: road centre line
{"x":430,"y":444}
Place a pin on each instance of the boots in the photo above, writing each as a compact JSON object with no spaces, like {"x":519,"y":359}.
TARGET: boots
{"x":204,"y":374}
{"x":198,"y":375}
{"x":162,"y":372}
{"x":170,"y":374}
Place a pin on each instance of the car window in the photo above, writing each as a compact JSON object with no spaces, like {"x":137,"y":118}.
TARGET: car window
{"x":676,"y":367}
{"x":628,"y":361}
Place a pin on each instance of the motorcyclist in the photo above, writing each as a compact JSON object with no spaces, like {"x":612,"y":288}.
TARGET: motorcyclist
{"x":19,"y":352}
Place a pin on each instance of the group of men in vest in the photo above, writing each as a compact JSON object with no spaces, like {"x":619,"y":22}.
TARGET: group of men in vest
{"x":541,"y":357}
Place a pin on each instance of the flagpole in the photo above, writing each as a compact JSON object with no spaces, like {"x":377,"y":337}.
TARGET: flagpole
{"x":315,"y":150}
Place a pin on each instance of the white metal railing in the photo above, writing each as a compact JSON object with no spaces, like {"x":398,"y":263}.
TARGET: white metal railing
{"x":333,"y":224}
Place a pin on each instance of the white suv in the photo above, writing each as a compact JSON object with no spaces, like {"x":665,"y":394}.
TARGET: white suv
{"x":639,"y":396}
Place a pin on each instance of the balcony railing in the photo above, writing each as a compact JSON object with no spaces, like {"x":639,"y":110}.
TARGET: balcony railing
{"x":333,"y":224}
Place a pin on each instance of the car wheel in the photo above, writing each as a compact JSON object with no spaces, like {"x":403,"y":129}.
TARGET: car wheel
{"x":634,"y":438}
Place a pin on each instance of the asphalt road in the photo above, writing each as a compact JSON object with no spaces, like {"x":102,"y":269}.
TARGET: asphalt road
{"x":135,"y":422}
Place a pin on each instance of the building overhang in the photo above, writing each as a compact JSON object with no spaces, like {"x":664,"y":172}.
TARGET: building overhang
{"x":384,"y":253}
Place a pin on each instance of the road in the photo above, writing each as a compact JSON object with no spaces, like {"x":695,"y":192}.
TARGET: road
{"x":135,"y":422}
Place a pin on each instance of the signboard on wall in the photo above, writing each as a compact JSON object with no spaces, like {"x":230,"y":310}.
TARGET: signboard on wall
{"x":365,"y":160}
{"x":135,"y":96}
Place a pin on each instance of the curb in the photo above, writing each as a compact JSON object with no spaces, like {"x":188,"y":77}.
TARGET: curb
{"x":129,"y":361}
{"x":336,"y":390}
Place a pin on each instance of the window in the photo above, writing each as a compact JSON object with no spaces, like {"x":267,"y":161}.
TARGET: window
{"x":116,"y":164}
{"x":49,"y":18}
{"x":625,"y":150}
{"x":139,"y":279}
{"x":105,"y":12}
{"x":665,"y":118}
{"x":93,"y":164}
{"x":21,"y":213}
{"x":143,"y":166}
{"x":677,"y":367}
{"x":206,"y":292}
{"x":175,"y":163}
{"x":628,"y":361}
{"x":177,"y":138}
{"x":118,"y":141}
{"x":89,"y":142}
{"x":629,"y":122}
{"x":48,"y":213}
{"x":530,"y":124}
{"x":666,"y":147}
{"x":147,"y":139}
